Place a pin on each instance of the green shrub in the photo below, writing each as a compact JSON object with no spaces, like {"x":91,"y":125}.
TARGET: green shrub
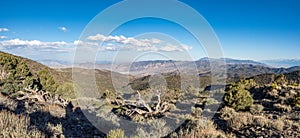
{"x":280,"y":79}
{"x":210,"y":101}
{"x":109,"y":94}
{"x":18,"y":75}
{"x":238,"y":96}
{"x":117,"y":133}
{"x":66,"y":91}
{"x":274,"y":86}
{"x":47,"y":81}
{"x":239,"y":99}
{"x":8,"y":88}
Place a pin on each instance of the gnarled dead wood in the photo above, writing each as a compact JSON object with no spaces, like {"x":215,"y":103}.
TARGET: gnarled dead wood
{"x":142,"y":108}
{"x":42,"y":97}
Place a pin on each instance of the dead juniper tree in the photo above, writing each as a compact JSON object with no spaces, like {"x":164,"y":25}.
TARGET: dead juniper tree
{"x":139,"y":106}
{"x":41,"y":97}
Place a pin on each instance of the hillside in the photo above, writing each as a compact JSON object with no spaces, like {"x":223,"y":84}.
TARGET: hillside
{"x":252,"y":103}
{"x":44,"y":99}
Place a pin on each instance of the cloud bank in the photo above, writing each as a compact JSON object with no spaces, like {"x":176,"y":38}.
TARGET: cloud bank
{"x":36,"y":45}
{"x":129,"y":43}
{"x":96,"y":42}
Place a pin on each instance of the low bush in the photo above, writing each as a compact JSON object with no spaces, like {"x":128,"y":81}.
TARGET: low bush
{"x":238,"y":96}
{"x":282,"y":108}
{"x":17,"y":126}
{"x":239,"y":99}
{"x":236,"y":120}
{"x":117,"y":133}
{"x":277,"y":124}
{"x":296,"y":100}
{"x":256,"y":108}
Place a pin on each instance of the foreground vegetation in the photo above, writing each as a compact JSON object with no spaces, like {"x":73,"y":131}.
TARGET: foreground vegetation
{"x":12,"y":125}
{"x":39,"y":103}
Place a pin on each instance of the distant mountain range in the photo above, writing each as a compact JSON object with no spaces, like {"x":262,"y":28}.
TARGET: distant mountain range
{"x":282,"y":62}
{"x":235,"y":68}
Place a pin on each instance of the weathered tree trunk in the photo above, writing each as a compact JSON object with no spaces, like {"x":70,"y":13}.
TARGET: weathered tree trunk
{"x":42,"y":97}
{"x":142,"y":108}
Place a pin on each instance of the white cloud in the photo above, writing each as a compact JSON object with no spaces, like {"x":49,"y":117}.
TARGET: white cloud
{"x":64,"y":29}
{"x":2,"y":37}
{"x":3,"y":29}
{"x":185,"y":47}
{"x":81,"y":43}
{"x":129,"y":43}
{"x":110,"y":43}
{"x":32,"y":43}
{"x":123,"y":40}
{"x":169,"y":48}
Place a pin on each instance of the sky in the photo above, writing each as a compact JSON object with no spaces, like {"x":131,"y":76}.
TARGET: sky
{"x":248,"y":29}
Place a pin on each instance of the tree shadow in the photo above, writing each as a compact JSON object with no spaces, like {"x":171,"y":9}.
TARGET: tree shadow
{"x":76,"y":124}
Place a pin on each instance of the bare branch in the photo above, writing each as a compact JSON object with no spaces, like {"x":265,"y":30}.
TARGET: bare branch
{"x":43,"y":97}
{"x":140,"y":107}
{"x":159,"y":101}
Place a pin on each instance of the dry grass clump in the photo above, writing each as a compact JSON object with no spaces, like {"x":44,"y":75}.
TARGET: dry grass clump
{"x":256,"y":108}
{"x":201,"y":128}
{"x":117,"y":133}
{"x":282,"y":108}
{"x":17,"y":126}
{"x":260,"y":121}
{"x":236,"y":120}
{"x":278,"y":124}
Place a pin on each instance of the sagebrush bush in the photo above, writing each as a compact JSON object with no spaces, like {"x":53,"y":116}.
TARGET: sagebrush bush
{"x":109,"y":94}
{"x":282,"y":107}
{"x":296,"y":100}
{"x":17,"y":126}
{"x":278,"y":124}
{"x":256,"y":108}
{"x":227,"y":113}
{"x":260,"y":121}
{"x":202,"y":128}
{"x":236,"y":120}
{"x":117,"y":133}
{"x":280,"y":79}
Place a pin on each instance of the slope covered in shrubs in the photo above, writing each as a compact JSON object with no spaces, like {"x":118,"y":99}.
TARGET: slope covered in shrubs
{"x":266,"y":105}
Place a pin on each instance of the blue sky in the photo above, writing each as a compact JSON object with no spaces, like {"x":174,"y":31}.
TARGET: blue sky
{"x":248,"y":29}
